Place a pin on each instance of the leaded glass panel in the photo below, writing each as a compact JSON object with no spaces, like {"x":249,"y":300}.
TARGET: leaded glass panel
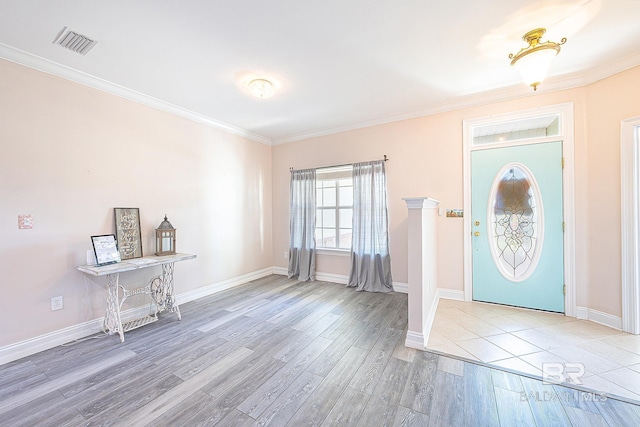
{"x":515,"y":220}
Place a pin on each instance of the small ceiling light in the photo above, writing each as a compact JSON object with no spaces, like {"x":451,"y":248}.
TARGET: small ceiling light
{"x":261,"y":88}
{"x":534,"y":60}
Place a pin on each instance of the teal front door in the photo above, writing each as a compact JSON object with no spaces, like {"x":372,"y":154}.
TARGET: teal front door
{"x":516,"y":214}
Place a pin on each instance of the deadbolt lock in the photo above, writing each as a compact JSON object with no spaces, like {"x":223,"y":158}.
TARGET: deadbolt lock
{"x":477,"y":223}
{"x":477,"y":233}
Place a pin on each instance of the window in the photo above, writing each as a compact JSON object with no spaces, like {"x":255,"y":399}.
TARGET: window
{"x":515,"y":220}
{"x":517,"y":130}
{"x":334,"y":204}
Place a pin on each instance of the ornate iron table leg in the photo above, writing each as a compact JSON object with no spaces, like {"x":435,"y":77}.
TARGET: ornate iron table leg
{"x":167,"y":281}
{"x":112,"y":320}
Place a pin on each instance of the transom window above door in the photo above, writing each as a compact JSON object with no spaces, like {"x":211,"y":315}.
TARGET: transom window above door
{"x":334,"y":204}
{"x":517,"y":130}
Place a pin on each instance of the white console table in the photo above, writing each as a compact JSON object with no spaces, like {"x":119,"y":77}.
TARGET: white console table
{"x":160,"y":289}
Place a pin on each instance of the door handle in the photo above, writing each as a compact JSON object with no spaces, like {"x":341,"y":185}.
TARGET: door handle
{"x":477,"y":233}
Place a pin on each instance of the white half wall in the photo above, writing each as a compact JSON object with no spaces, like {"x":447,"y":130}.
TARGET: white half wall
{"x":422,"y":269}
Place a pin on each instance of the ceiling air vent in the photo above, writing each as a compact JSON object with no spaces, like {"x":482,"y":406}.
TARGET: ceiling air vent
{"x":75,"y":41}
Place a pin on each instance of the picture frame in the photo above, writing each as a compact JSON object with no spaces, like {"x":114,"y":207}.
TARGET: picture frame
{"x":128,"y":234}
{"x":105,"y":249}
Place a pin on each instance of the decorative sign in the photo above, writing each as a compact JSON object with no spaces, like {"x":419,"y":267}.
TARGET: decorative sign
{"x":454,"y":213}
{"x":105,"y":249}
{"x":128,"y":232}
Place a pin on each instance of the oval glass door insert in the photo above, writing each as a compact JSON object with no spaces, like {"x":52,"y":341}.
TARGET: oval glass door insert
{"x":515,"y":222}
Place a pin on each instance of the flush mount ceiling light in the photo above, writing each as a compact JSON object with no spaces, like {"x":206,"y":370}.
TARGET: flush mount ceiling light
{"x":534,"y":60}
{"x":261,"y":88}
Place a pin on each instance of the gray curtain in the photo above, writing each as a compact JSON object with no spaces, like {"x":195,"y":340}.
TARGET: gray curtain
{"x":370,"y":260}
{"x":302,"y":225}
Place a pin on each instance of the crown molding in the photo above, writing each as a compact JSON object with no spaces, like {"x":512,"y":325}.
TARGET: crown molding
{"x":46,"y":66}
{"x":552,"y":84}
{"x":466,"y":101}
{"x":612,"y":68}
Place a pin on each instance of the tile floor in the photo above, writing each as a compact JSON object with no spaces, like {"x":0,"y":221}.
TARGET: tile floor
{"x":522,"y":340}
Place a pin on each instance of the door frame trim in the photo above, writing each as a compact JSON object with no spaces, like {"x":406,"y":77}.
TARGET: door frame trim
{"x":630,"y":221}
{"x":565,"y":111}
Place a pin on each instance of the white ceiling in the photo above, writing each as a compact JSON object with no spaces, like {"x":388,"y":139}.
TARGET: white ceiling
{"x":337,"y":64}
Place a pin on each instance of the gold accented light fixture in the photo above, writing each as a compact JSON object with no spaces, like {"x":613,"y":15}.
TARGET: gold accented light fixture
{"x":533,"y":61}
{"x":261,"y":88}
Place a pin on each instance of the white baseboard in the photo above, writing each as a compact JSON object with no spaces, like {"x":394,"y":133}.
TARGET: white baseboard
{"x":333,"y":278}
{"x":415,"y":340}
{"x":582,"y":313}
{"x":606,"y":319}
{"x":600,"y":317}
{"x":221,"y":286}
{"x":34,"y":345}
{"x":400,"y":287}
{"x":320,"y":276}
{"x":450,"y":294}
{"x":282,"y":271}
{"x":341,"y":278}
{"x":428,"y":323}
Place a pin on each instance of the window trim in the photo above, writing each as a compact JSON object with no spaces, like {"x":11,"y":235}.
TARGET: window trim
{"x":334,"y":252}
{"x":565,"y":110}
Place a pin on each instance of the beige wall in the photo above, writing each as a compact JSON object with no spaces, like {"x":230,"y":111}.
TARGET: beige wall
{"x":426,"y":160}
{"x":607,"y":103}
{"x":70,"y":154}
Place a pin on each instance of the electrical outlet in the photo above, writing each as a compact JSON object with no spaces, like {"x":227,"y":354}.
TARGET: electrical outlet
{"x":285,"y":255}
{"x":57,"y":303}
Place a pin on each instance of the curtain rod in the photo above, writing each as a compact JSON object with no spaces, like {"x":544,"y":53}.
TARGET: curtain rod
{"x":337,"y":166}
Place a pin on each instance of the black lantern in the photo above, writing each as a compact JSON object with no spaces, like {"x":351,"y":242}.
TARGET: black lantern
{"x":165,"y":238}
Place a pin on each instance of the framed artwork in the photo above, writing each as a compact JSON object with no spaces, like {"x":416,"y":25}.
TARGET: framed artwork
{"x":105,"y":249}
{"x":128,"y":232}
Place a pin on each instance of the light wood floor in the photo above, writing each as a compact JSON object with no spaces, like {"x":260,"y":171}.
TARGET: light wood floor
{"x":278,"y":352}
